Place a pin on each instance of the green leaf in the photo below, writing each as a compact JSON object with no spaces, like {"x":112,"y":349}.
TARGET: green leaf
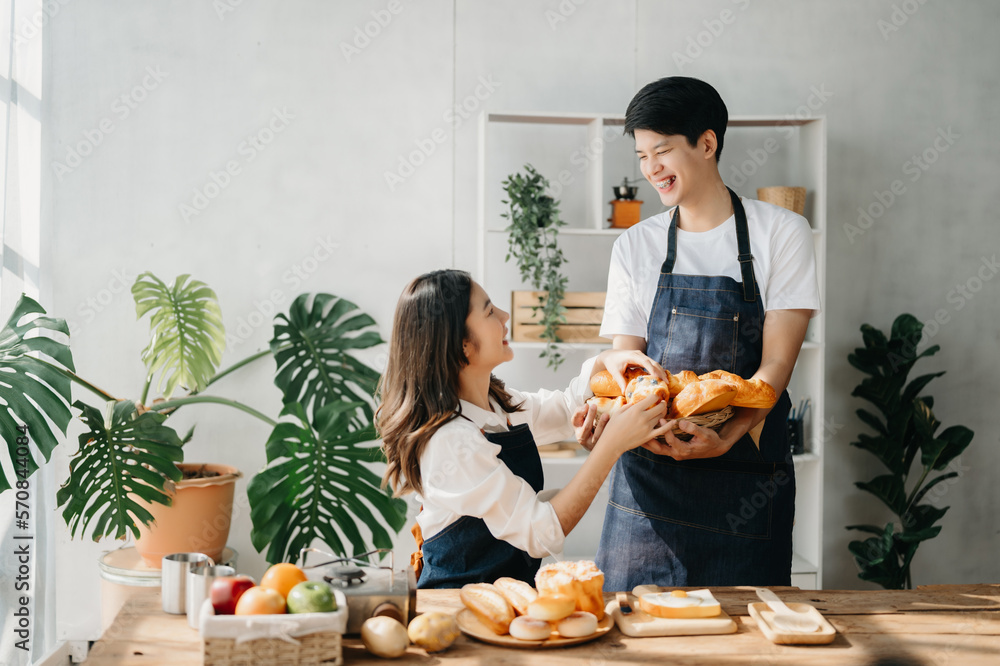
{"x":315,"y":487}
{"x":914,"y":388}
{"x":907,"y":328}
{"x":918,"y":522}
{"x":311,"y":347}
{"x":885,"y":448}
{"x":873,"y":421}
{"x":946,"y":447}
{"x":878,"y":560}
{"x":187,"y":336}
{"x":889,"y":489}
{"x":923,"y":491}
{"x":127,"y":458}
{"x":32,"y":392}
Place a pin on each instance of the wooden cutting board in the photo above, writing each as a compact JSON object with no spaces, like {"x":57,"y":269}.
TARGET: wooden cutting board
{"x":639,"y":623}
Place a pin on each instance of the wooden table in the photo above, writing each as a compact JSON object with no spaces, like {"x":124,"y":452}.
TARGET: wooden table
{"x":939,"y":624}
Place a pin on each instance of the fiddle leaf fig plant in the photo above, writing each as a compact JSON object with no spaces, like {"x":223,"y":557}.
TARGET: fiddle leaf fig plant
{"x":316,"y":484}
{"x":904,"y":427}
{"x":532,"y":239}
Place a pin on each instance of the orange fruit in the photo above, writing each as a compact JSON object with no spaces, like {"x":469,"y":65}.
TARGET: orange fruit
{"x":282,"y":577}
{"x":260,"y":601}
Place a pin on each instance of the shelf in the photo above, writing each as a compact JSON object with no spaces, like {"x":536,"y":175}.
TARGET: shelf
{"x":801,"y":565}
{"x":807,"y":457}
{"x":562,"y":346}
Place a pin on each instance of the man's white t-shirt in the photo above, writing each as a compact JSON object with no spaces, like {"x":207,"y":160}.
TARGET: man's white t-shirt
{"x":781,"y":243}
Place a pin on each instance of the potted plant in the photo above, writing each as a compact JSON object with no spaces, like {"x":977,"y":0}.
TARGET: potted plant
{"x":129,"y":459}
{"x":904,"y":428}
{"x":532,"y":239}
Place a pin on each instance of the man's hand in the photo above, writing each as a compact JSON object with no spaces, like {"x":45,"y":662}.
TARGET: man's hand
{"x":704,"y":443}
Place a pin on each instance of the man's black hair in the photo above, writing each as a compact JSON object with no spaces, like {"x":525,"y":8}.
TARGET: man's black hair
{"x":678,"y":105}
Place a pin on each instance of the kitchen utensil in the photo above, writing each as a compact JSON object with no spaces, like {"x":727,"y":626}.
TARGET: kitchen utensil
{"x":173,"y":582}
{"x":625,"y":191}
{"x":623,"y":605}
{"x":784,"y":618}
{"x":199,"y":581}
{"x":763,"y":616}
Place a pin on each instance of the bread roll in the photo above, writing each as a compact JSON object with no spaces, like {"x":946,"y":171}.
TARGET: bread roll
{"x":640,"y":387}
{"x":551,"y":607}
{"x":582,"y":581}
{"x":633,"y":371}
{"x":517,"y":593}
{"x":754,"y":393}
{"x":709,"y":395}
{"x":606,"y":405}
{"x":529,"y":629}
{"x":604,"y":385}
{"x":577,"y":625}
{"x":486,"y":602}
{"x":677,"y":383}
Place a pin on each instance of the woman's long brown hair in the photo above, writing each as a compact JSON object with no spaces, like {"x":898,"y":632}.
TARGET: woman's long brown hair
{"x":418,"y":392}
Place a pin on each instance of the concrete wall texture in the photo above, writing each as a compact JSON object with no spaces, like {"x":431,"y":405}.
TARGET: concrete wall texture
{"x":268,"y":149}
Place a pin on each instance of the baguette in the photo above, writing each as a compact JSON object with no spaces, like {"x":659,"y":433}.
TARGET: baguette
{"x":754,"y":393}
{"x":487,"y":604}
{"x":677,"y":383}
{"x":700,"y":397}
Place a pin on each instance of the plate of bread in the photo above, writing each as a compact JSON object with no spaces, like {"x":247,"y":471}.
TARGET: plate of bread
{"x":706,"y":400}
{"x":566,"y":607}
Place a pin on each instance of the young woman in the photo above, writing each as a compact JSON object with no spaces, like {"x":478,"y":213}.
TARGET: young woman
{"x":453,"y":434}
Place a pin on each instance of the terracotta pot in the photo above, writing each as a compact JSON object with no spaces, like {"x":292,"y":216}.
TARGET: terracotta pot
{"x":197,"y":520}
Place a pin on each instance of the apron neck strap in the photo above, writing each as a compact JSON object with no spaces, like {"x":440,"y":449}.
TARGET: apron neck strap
{"x":742,"y":245}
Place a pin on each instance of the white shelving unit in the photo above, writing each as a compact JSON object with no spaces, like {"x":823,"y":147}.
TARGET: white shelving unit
{"x":583,"y":156}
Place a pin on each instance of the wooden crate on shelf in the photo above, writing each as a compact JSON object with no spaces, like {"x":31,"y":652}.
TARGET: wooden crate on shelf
{"x":584,"y":312}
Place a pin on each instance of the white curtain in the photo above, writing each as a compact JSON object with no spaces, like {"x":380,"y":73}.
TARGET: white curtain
{"x":21,"y":25}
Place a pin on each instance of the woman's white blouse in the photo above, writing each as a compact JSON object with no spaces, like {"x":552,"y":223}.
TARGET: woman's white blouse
{"x":462,"y":475}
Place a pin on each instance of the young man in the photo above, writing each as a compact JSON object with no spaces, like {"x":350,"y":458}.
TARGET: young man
{"x":716,"y":282}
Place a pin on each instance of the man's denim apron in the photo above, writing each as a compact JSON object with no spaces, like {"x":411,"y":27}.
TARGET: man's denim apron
{"x":466,"y":551}
{"x":715,"y":521}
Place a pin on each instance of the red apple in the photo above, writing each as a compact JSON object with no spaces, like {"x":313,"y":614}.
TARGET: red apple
{"x":226,"y":591}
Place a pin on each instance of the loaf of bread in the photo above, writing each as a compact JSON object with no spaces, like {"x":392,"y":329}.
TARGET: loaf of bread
{"x":754,"y":393}
{"x":517,"y":593}
{"x":604,"y":385}
{"x":677,"y":383}
{"x":640,"y":387}
{"x":700,"y":397}
{"x":486,"y":602}
{"x":606,"y":405}
{"x":582,"y":581}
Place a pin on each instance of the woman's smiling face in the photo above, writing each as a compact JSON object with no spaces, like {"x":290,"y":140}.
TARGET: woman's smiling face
{"x":486,"y":344}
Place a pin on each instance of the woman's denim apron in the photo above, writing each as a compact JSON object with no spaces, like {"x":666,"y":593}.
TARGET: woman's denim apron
{"x":466,"y":551}
{"x":714,"y":521}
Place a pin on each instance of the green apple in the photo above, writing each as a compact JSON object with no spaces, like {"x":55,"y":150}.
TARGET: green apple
{"x":311,"y":596}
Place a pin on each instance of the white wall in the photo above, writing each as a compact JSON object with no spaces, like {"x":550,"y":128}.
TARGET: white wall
{"x":352,"y":120}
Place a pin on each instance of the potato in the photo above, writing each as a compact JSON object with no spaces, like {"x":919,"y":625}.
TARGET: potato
{"x":433,"y":631}
{"x":384,"y":637}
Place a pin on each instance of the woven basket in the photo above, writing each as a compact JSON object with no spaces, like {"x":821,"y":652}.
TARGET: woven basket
{"x":713,"y":420}
{"x":321,"y":647}
{"x":792,"y":198}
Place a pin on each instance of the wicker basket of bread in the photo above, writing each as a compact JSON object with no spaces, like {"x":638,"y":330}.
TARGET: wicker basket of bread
{"x":706,"y":400}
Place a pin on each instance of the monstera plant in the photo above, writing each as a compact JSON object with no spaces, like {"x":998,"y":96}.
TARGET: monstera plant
{"x":904,"y":429}
{"x":316,"y":477}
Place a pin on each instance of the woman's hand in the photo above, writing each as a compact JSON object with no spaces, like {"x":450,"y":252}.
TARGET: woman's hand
{"x":588,"y":426}
{"x":704,"y":442}
{"x":616,"y":360}
{"x":634,"y":424}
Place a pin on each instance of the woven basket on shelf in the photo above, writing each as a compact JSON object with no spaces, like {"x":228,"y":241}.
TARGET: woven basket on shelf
{"x":713,"y":420}
{"x":792,"y":198}
{"x":321,"y":647}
